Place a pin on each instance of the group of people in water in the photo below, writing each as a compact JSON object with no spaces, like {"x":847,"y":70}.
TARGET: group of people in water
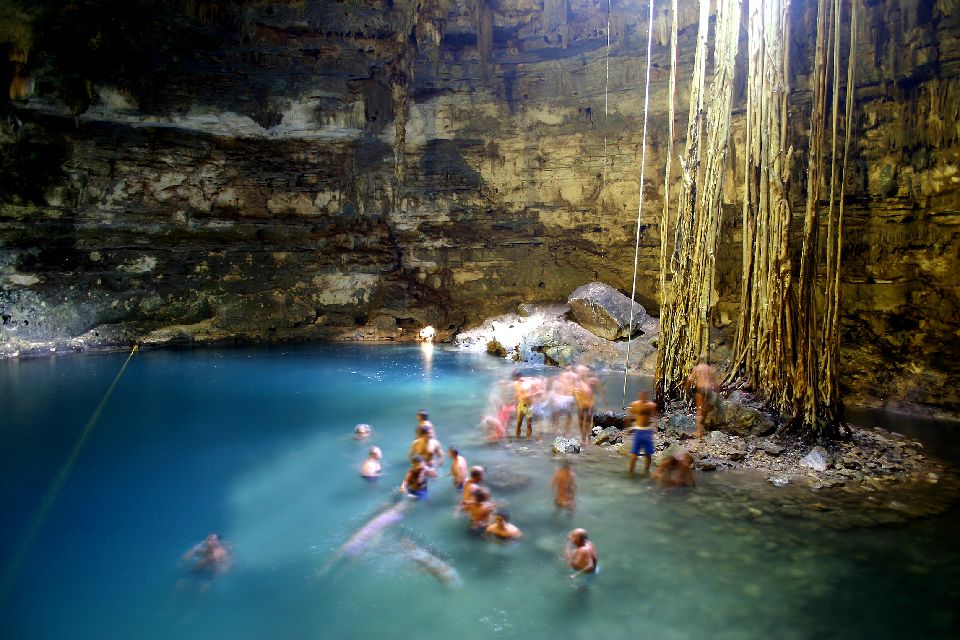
{"x":569,"y":396}
{"x":426,"y":456}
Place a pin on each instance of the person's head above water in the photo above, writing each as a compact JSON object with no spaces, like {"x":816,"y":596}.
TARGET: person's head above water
{"x":454,"y":452}
{"x":578,"y":536}
{"x":476,"y":473}
{"x":376,"y":453}
{"x":422,"y":414}
{"x":643,"y":396}
{"x":502,"y":514}
{"x":480,"y":494}
{"x":517,"y":375}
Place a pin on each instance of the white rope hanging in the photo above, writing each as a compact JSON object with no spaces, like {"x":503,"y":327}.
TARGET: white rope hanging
{"x":643,"y":161}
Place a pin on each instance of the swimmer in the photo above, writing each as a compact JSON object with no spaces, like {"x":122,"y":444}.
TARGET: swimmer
{"x":371,"y":469}
{"x":211,"y":556}
{"x":476,"y":477}
{"x":415,"y":482}
{"x":676,"y":471}
{"x":481,"y":510}
{"x":502,"y":529}
{"x":362,"y":431}
{"x":427,"y":447}
{"x":565,"y":485}
{"x":458,"y":468}
{"x":641,"y":411}
{"x":580,"y":554}
{"x":702,"y":377}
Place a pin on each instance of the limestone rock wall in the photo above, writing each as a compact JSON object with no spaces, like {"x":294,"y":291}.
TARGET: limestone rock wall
{"x":184,"y":169}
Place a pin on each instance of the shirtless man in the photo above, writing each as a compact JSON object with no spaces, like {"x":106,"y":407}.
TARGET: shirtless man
{"x":427,"y":447}
{"x":521,"y":387}
{"x":565,"y":485}
{"x":583,"y":392}
{"x":371,"y":469}
{"x":481,"y":509}
{"x":415,"y":482}
{"x":702,"y":377}
{"x":210,"y":555}
{"x":580,"y":554}
{"x":501,"y":528}
{"x":476,"y":477}
{"x":458,"y":468}
{"x":641,"y":411}
{"x":422,"y":419}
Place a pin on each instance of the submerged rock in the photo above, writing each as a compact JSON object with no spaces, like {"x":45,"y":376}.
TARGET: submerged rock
{"x":737,"y":416}
{"x":501,"y":478}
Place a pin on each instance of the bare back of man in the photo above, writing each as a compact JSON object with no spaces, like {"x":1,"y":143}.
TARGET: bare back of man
{"x":702,"y":377}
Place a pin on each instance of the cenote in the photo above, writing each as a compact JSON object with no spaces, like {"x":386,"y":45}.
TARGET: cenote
{"x":255,"y":443}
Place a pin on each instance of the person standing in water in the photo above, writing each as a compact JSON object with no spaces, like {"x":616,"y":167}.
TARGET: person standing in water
{"x":427,"y":447}
{"x":641,"y":412}
{"x":476,"y":477}
{"x":564,"y":484}
{"x":481,"y":509}
{"x":528,"y":392}
{"x":702,"y":377}
{"x":371,"y":469}
{"x":415,"y":482}
{"x":458,"y":468}
{"x":583,"y":392}
{"x":581,"y":555}
{"x":502,"y":529}
{"x":422,"y":419}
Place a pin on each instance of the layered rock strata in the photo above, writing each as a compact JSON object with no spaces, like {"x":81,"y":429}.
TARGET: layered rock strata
{"x":182,"y":170}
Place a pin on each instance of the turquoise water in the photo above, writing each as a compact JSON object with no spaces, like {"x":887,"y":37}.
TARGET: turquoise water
{"x":255,"y":444}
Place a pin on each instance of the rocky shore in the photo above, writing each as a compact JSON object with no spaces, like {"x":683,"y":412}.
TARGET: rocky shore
{"x":873,"y":478}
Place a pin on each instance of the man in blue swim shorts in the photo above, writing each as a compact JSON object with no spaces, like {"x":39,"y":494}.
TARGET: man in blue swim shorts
{"x":641,"y":412}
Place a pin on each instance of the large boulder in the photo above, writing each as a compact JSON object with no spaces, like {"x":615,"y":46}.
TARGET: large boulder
{"x":737,"y":415}
{"x":616,"y":419}
{"x":604,"y":311}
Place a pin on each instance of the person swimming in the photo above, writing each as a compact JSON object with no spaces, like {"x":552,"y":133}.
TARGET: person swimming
{"x":581,"y":555}
{"x":565,"y":486}
{"x":371,"y":468}
{"x":458,"y":468}
{"x":362,"y":431}
{"x":211,"y":556}
{"x":502,"y":528}
{"x":476,"y":477}
{"x":481,"y":510}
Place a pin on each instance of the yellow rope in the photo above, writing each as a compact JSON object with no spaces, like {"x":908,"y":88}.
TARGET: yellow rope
{"x":47,"y":505}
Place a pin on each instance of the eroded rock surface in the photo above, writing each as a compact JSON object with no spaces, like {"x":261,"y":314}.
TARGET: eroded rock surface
{"x":357,"y":170}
